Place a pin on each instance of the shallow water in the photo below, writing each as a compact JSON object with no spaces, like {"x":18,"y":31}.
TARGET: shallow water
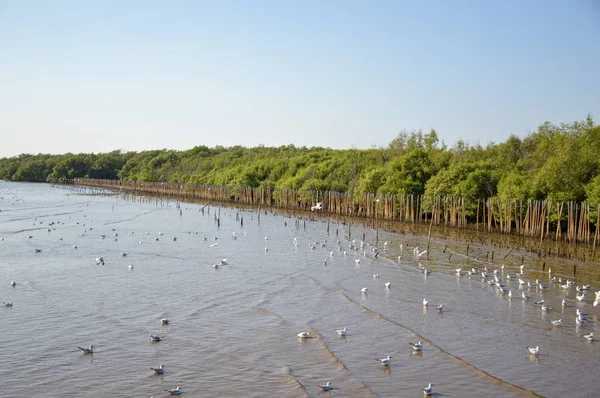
{"x":233,"y":329}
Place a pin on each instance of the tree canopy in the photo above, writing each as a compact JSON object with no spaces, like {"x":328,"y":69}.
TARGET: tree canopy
{"x":556,"y":162}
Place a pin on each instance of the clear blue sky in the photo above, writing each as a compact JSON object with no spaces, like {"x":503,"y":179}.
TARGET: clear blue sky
{"x":94,"y":76}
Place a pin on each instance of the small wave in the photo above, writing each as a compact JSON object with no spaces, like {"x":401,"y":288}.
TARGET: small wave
{"x":288,"y":374}
{"x":258,"y":308}
{"x":130,"y":219}
{"x":460,"y":360}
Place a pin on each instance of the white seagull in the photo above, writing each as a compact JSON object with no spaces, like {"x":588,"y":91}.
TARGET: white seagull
{"x":13,"y":283}
{"x":534,"y":350}
{"x":440,"y":307}
{"x":342,"y":332}
{"x":425,"y":302}
{"x":326,"y":387}
{"x":90,"y":350}
{"x":418,"y":346}
{"x":8,"y":303}
{"x":385,"y":361}
{"x":175,"y":391}
{"x":388,"y":285}
{"x":363,"y":290}
{"x":304,"y":335}
{"x":155,"y":337}
{"x":427,"y":390}
{"x":165,"y":321}
{"x":160,"y":370}
{"x":590,"y":337}
{"x":557,"y":322}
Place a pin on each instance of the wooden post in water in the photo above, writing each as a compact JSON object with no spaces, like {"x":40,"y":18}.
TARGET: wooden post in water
{"x":376,"y":222}
{"x":596,"y":234}
{"x":429,"y":233}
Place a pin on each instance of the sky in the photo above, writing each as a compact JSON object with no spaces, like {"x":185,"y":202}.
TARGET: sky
{"x":96,"y":76}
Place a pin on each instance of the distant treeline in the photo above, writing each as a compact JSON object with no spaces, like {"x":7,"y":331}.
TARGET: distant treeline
{"x":558,"y":163}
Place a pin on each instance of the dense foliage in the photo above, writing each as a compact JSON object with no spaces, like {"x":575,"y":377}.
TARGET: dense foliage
{"x":557,"y":162}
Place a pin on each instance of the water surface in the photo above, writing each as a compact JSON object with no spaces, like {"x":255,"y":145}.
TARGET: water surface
{"x":233,"y":329}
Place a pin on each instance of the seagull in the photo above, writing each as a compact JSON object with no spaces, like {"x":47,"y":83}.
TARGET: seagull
{"x":318,"y":206}
{"x":388,"y":285}
{"x":427,"y":390}
{"x":590,"y":337}
{"x":224,"y":261}
{"x":440,"y":307}
{"x":8,"y":303}
{"x":165,"y":321}
{"x":540,"y":302}
{"x":90,"y":350}
{"x":580,"y":298}
{"x":557,"y":322}
{"x":363,"y":290}
{"x":375,"y":275}
{"x":130,"y":266}
{"x":418,"y":346}
{"x":304,"y":335}
{"x":425,"y":303}
{"x":175,"y":391}
{"x":155,"y":337}
{"x":160,"y":370}
{"x":342,"y":332}
{"x":326,"y":387}
{"x":546,"y":308}
{"x":525,"y":296}
{"x":564,"y":303}
{"x":385,"y":361}
{"x":13,"y":283}
{"x":99,"y":260}
{"x":534,"y":350}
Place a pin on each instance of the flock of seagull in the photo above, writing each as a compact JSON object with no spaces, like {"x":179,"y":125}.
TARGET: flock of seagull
{"x":499,"y":278}
{"x":91,"y":350}
{"x":368,"y":249}
{"x":494,"y":277}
